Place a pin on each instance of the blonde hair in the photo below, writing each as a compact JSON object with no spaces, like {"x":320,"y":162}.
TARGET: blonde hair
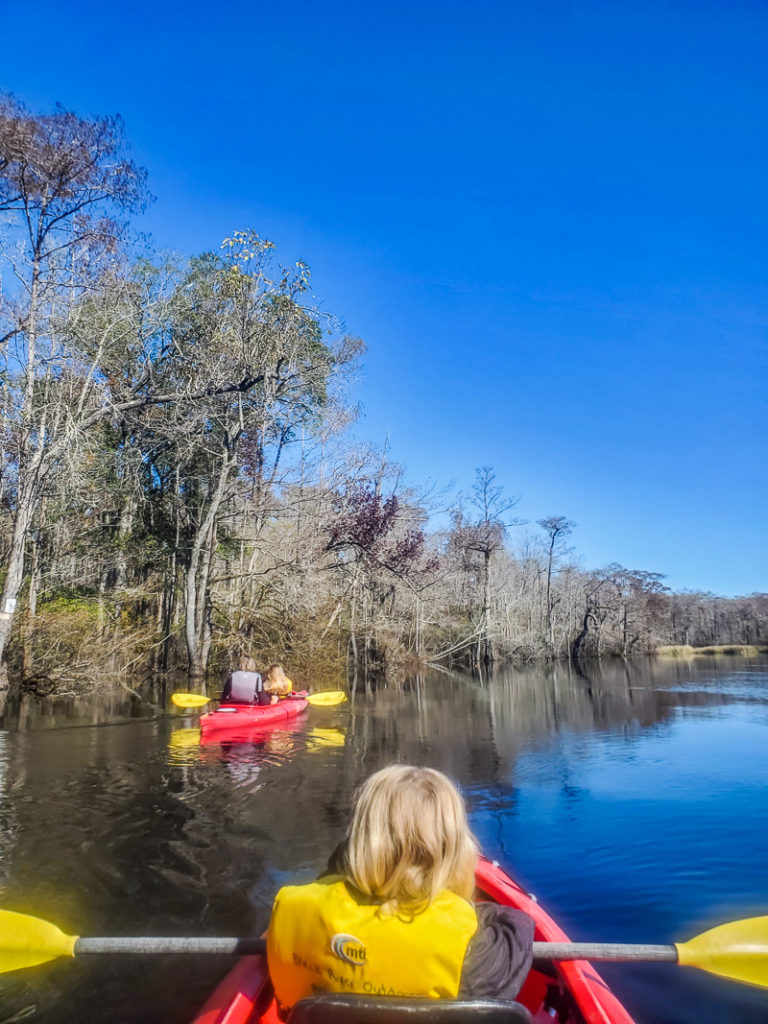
{"x":246,"y":664}
{"x":276,"y":681}
{"x":409,"y":839}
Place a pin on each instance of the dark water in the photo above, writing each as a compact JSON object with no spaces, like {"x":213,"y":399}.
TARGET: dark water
{"x":633,"y":802}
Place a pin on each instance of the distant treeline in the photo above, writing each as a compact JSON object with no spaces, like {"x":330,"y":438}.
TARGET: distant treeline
{"x":177,"y":485}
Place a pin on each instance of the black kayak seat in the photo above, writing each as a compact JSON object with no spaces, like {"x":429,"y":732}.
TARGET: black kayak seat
{"x":341,"y":1009}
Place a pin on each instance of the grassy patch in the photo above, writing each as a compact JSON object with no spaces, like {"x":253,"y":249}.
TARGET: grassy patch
{"x":686,"y":651}
{"x":675,"y":651}
{"x":745,"y":650}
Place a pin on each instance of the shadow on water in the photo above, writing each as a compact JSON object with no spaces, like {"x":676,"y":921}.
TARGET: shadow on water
{"x":632,"y":799}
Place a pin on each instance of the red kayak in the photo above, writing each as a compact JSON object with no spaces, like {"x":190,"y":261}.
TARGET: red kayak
{"x":229,"y":720}
{"x":570,"y":992}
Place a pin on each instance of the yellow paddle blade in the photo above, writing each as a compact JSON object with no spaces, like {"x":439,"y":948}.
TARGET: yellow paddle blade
{"x":738,"y":950}
{"x":26,"y":941}
{"x":326,"y":737}
{"x":327,"y":699}
{"x":189,"y":700}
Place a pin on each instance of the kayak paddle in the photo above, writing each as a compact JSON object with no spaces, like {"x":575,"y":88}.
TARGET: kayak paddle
{"x":738,"y":950}
{"x":26,"y":941}
{"x":189,"y":700}
{"x":324,"y":699}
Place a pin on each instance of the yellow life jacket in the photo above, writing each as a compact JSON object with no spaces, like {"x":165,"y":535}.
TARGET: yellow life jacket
{"x":321,"y":939}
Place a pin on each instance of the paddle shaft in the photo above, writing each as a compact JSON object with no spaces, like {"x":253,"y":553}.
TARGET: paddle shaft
{"x":172,"y":944}
{"x":601,"y":951}
{"x":605,"y":952}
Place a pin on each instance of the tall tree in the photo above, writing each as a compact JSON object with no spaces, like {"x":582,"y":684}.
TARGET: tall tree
{"x":557,"y":529}
{"x":481,"y":532}
{"x":64,"y":181}
{"x":255,"y":360}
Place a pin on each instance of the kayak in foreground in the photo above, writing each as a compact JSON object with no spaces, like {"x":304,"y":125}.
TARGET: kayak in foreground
{"x":241,"y":718}
{"x":571,"y":992}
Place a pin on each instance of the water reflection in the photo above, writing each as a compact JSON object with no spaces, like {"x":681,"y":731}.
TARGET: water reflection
{"x":631,"y":798}
{"x":7,"y":822}
{"x":183,"y":745}
{"x":319,"y":738}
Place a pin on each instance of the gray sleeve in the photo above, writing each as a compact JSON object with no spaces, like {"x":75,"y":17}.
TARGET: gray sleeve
{"x":499,"y":954}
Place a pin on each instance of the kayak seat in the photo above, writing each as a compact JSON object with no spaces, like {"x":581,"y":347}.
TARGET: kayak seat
{"x":341,"y":1009}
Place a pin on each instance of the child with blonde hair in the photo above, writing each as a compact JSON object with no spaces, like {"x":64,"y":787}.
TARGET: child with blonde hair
{"x":394,"y":916}
{"x":277,"y":683}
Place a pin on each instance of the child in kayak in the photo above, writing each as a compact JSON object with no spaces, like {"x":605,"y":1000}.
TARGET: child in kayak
{"x":276,"y":683}
{"x":244,"y":685}
{"x":394,"y":916}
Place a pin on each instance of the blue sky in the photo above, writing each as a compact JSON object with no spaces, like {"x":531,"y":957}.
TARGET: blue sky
{"x":547,"y":220}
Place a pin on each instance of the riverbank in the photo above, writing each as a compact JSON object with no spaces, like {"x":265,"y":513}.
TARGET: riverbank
{"x":74,"y":650}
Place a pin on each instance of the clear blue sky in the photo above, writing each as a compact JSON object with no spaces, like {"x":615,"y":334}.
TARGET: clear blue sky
{"x":547,"y":220}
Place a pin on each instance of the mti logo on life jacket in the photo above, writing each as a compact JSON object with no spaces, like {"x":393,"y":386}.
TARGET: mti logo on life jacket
{"x":349,"y":949}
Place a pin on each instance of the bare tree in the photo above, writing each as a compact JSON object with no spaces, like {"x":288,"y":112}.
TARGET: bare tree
{"x":62,"y":180}
{"x":557,"y":528}
{"x":482,"y":533}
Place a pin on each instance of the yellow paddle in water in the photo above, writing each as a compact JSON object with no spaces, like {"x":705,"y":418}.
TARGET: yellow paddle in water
{"x":738,"y":950}
{"x":325,"y":699}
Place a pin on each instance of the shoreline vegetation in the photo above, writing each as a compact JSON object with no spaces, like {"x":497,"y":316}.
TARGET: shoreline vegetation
{"x":178,"y":482}
{"x":686,"y":651}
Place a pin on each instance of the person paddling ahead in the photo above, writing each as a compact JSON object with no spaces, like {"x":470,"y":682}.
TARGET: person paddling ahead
{"x":394,"y":915}
{"x":244,"y":685}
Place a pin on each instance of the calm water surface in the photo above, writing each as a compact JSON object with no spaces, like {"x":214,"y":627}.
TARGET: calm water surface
{"x":633,"y":802}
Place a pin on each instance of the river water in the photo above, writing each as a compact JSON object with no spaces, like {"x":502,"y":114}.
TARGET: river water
{"x":632,"y":800}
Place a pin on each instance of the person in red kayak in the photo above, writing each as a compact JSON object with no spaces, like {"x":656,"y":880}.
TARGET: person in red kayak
{"x":276,"y":683}
{"x":244,"y":685}
{"x":394,"y":916}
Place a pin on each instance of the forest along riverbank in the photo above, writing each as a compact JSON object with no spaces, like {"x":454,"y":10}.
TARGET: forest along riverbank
{"x":630,"y":799}
{"x":165,"y":505}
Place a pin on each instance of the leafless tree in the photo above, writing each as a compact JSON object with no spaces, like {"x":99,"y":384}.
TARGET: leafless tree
{"x":482,"y":532}
{"x":62,"y":181}
{"x":557,"y":528}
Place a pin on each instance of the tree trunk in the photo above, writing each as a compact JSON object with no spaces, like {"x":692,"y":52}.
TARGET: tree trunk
{"x":353,"y":631}
{"x":584,"y":633}
{"x":27,"y":658}
{"x":29,"y":475}
{"x":550,"y":626}
{"x":486,"y":644}
{"x":124,"y":528}
{"x":196,"y":611}
{"x":13,"y":579}
{"x":169,"y":610}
